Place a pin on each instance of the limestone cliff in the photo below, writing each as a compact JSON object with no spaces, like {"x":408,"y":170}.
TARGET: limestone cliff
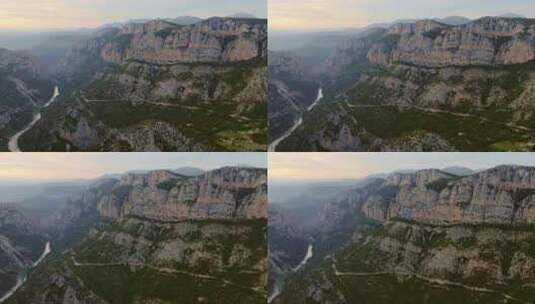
{"x":486,"y":41}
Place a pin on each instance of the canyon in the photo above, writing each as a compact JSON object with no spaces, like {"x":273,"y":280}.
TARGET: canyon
{"x":157,"y":230}
{"x":425,"y":86}
{"x":158,"y":86}
{"x":422,"y":237}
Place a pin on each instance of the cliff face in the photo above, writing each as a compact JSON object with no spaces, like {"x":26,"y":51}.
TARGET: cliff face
{"x":504,"y":195}
{"x":486,"y":41}
{"x":226,"y":194}
{"x":216,"y":40}
{"x":159,"y":42}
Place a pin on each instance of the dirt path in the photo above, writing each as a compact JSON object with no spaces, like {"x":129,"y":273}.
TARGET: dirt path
{"x":510,"y":125}
{"x":170,"y":271}
{"x":426,"y":279}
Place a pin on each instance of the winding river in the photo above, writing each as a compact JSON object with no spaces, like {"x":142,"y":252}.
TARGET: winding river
{"x":14,"y":141}
{"x":275,"y":143}
{"x":24,"y":276}
{"x":307,"y":257}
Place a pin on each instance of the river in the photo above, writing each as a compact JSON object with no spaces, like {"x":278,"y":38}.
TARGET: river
{"x":307,"y":257}
{"x":14,"y":141}
{"x":24,"y":276}
{"x":275,"y":143}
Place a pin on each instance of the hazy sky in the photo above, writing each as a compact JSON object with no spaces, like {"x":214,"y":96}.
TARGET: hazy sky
{"x":33,"y":167}
{"x":60,"y":14}
{"x":324,"y":166}
{"x":323,"y":14}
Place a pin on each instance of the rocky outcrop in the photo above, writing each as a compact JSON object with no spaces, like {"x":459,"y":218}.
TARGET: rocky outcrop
{"x":225,"y":194}
{"x":503,"y":195}
{"x":215,"y":40}
{"x":475,"y":256}
{"x":486,"y":41}
{"x":418,"y":179}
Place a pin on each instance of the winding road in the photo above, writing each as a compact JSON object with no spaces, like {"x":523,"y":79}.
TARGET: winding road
{"x":512,"y":126}
{"x":14,"y":141}
{"x":299,"y":122}
{"x":425,"y":279}
{"x":171,"y":271}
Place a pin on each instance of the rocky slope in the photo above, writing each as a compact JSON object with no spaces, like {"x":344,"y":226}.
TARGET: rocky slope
{"x":471,"y":77}
{"x":418,"y":231}
{"x":23,"y":87}
{"x":181,"y":238}
{"x":177,"y":85}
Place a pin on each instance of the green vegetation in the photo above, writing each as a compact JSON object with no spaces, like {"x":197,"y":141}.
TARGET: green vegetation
{"x":164,"y":33}
{"x":409,"y":245}
{"x":464,"y":133}
{"x":438,"y":185}
{"x":33,"y":243}
{"x":405,"y":290}
{"x":121,"y":284}
{"x":434,"y":33}
{"x":388,"y":192}
{"x":169,"y":184}
{"x":224,"y":125}
{"x":122,"y":192}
